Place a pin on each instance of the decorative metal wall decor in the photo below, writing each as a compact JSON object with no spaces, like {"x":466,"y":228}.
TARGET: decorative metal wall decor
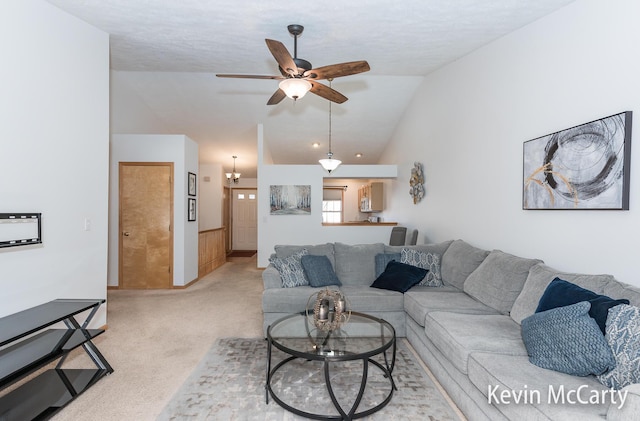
{"x":584,"y":167}
{"x":290,"y":200}
{"x":416,"y":182}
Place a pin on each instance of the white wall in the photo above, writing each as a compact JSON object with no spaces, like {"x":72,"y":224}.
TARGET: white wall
{"x":210,"y":195}
{"x":308,"y":229}
{"x":469,"y":120}
{"x":129,"y":113}
{"x":183,"y":152}
{"x":54,"y":135}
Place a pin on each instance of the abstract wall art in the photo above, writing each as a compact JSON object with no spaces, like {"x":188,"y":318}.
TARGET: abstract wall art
{"x":584,"y":167}
{"x":290,"y":200}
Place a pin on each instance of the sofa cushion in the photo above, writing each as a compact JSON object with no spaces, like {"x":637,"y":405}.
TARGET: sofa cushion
{"x":424,"y":260}
{"x":560,"y":293}
{"x":513,"y":374}
{"x":541,"y":275}
{"x":290,"y":269}
{"x":623,"y":331}
{"x":459,"y":261}
{"x":566,"y":339}
{"x":286,"y":300}
{"x":382,"y":259}
{"x":369,"y":300}
{"x":498,"y":280}
{"x":457,"y":335}
{"x":326,"y":249}
{"x":355,"y":264}
{"x":418,"y":303}
{"x":319,"y":271}
{"x":399,"y":277}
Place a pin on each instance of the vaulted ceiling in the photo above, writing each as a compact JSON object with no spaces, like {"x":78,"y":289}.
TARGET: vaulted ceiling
{"x":167,"y":52}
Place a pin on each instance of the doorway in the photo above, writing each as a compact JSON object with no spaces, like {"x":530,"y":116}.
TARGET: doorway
{"x":146,"y":232}
{"x":244,"y":224}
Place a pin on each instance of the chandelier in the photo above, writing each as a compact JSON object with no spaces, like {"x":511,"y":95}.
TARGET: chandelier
{"x":233,"y":177}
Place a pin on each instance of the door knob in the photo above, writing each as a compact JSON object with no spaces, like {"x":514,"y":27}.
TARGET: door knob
{"x":125,"y":233}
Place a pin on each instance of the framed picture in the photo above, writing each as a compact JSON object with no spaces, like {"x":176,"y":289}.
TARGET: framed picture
{"x":584,"y":167}
{"x":191,"y":209}
{"x":290,"y":200}
{"x":191,"y":184}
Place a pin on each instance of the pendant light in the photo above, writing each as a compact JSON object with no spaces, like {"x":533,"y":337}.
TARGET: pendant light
{"x":330,"y":164}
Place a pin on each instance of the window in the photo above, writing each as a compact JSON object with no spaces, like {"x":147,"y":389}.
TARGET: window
{"x":332,"y":205}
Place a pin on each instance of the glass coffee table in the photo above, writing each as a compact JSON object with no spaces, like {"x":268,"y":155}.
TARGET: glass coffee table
{"x":339,"y":360}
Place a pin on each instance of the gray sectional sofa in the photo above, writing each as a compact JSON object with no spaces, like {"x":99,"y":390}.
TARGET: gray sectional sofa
{"x":468,"y":331}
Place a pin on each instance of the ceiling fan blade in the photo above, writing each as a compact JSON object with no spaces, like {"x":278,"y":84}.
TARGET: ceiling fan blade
{"x":282,"y":56}
{"x":252,"y":76}
{"x":277,"y":96}
{"x":327,"y":92}
{"x":338,"y":70}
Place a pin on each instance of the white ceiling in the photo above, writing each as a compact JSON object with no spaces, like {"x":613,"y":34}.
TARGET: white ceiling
{"x":168,"y":51}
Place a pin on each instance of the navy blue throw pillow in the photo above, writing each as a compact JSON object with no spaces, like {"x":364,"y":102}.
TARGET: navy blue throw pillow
{"x":399,"y":277}
{"x":560,"y":293}
{"x":319,"y":271}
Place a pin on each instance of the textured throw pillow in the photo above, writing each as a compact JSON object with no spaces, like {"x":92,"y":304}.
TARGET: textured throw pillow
{"x":567,"y":340}
{"x":290,"y":269}
{"x":424,"y":260}
{"x":319,"y":271}
{"x":399,"y":277}
{"x":383,"y":259}
{"x":623,"y":330}
{"x":560,"y":293}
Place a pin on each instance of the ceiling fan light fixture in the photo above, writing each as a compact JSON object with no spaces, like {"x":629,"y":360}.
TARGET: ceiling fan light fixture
{"x":295,"y":88}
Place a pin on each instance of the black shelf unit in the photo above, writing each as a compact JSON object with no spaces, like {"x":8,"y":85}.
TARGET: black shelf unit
{"x":20,"y":355}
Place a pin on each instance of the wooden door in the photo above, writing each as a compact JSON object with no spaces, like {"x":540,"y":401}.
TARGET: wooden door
{"x":245,"y":219}
{"x":146,"y":234}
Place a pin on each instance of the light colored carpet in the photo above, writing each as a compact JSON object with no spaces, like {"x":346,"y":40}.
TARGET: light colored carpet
{"x":229,"y":385}
{"x":156,"y":338}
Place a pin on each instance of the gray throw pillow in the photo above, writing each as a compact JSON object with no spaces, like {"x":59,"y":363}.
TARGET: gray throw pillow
{"x":429,"y":261}
{"x":319,"y":271}
{"x":623,"y":330}
{"x":290,"y":269}
{"x":499,"y":279}
{"x":567,"y":340}
{"x":383,"y":259}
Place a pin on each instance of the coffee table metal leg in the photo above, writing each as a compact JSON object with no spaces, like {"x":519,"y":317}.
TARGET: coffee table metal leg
{"x":392,"y":365}
{"x":266,"y":385}
{"x":363,"y":384}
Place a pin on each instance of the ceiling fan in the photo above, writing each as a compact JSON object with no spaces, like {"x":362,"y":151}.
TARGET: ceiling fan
{"x":299,"y":77}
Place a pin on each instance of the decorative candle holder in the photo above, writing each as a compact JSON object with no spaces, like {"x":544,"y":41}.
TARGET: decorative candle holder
{"x":330,"y":310}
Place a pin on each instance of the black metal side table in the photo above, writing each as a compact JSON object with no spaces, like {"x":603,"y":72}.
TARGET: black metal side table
{"x":21,"y":354}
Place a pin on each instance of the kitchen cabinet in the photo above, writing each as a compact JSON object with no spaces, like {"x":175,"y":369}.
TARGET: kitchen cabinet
{"x":370,"y":197}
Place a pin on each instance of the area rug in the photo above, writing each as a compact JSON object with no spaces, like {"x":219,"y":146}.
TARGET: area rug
{"x":229,"y":384}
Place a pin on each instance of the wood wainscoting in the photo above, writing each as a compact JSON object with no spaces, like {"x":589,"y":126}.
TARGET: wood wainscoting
{"x":211,"y":250}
